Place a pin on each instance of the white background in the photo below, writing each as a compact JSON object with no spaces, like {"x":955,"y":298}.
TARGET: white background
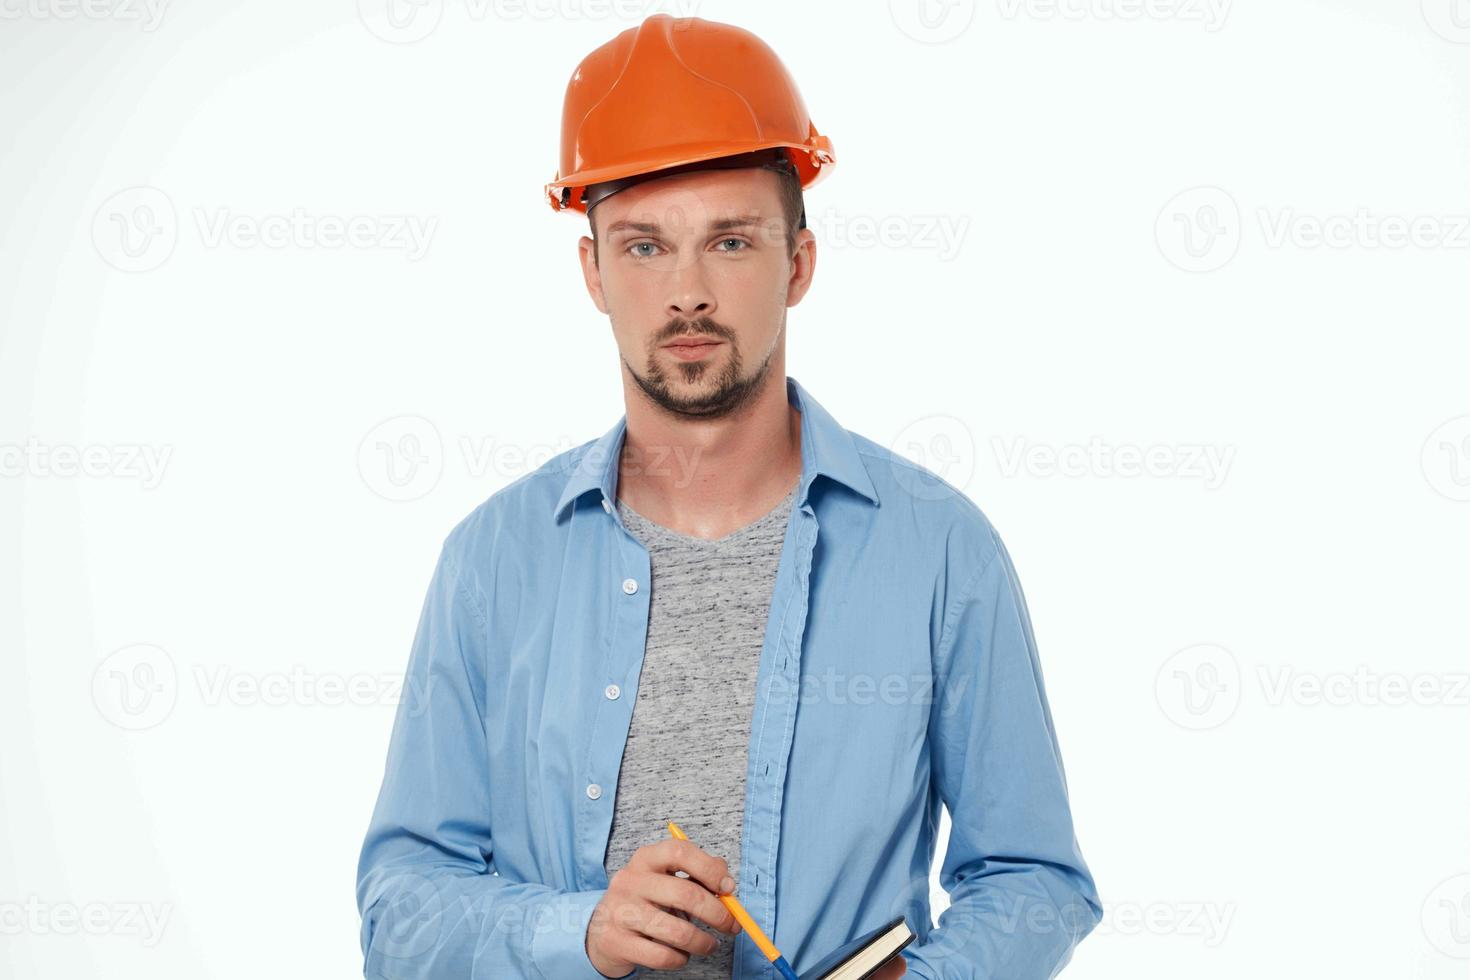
{"x":1059,"y":237}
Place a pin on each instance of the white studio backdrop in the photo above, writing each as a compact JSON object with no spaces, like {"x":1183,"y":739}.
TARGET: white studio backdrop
{"x":1175,"y":290}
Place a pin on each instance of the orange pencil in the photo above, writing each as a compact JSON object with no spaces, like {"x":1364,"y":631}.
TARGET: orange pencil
{"x":747,"y":923}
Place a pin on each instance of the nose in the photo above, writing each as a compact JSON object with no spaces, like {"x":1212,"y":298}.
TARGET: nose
{"x":689,"y":295}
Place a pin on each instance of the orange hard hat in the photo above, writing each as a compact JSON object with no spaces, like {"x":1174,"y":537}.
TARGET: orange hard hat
{"x":672,"y":93}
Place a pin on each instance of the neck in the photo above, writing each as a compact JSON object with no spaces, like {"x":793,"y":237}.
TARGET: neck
{"x":708,"y":477}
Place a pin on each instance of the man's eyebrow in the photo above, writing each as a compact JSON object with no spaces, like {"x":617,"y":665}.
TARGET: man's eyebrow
{"x":641,"y":227}
{"x":652,"y":228}
{"x":739,"y":221}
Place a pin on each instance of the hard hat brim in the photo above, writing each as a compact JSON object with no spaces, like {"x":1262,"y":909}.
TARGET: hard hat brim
{"x":812,"y":164}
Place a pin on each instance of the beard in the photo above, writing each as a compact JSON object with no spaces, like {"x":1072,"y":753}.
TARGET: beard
{"x":723,"y":390}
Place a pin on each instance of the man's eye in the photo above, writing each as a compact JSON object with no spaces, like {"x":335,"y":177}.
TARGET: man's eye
{"x":738,"y":241}
{"x":642,"y":255}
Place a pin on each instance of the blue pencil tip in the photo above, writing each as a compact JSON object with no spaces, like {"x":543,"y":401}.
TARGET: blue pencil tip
{"x":784,"y":968}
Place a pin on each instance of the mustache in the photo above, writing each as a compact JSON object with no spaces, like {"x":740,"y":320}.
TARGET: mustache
{"x":702,"y":327}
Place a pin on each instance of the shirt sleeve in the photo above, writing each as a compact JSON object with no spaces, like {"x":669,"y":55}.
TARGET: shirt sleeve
{"x":430,"y":906}
{"x":1021,"y":895}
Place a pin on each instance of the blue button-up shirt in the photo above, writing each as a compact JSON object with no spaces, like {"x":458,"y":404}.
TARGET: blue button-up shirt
{"x":898,"y":673}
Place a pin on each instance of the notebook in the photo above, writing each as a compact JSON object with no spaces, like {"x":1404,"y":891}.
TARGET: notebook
{"x":865,"y":954}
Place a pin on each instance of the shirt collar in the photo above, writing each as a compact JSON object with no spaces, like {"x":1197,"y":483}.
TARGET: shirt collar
{"x":827,"y":449}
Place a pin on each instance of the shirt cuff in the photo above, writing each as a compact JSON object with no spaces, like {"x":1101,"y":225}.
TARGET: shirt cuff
{"x":559,"y":945}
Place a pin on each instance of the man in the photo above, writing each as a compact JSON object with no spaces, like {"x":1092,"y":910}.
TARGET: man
{"x":728,"y":611}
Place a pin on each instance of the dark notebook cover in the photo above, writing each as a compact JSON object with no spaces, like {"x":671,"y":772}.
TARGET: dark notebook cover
{"x":847,"y":951}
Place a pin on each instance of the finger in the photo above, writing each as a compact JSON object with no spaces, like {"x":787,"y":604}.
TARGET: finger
{"x":682,"y":855}
{"x":679,"y":934}
{"x":655,"y":955}
{"x":690,"y":896}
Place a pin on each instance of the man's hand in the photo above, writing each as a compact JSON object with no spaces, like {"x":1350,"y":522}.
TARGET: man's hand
{"x":892,"y":970}
{"x":639,"y":923}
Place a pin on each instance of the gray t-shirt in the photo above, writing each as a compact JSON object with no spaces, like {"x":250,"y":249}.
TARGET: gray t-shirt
{"x":689,"y":738}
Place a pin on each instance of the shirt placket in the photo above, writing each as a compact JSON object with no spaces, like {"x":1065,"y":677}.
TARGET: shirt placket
{"x":772,"y":728}
{"x":626,"y":577}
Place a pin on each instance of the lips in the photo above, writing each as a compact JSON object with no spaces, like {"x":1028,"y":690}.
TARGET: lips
{"x":691,"y":348}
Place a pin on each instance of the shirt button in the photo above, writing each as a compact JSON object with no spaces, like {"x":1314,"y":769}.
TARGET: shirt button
{"x":606,"y":506}
{"x":630,"y":585}
{"x":594,"y":791}
{"x":612,"y":691}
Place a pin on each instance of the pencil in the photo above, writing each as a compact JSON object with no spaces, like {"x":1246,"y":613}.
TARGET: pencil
{"x":747,"y":923}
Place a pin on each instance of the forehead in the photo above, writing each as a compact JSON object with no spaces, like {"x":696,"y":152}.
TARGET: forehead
{"x":698,"y":201}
